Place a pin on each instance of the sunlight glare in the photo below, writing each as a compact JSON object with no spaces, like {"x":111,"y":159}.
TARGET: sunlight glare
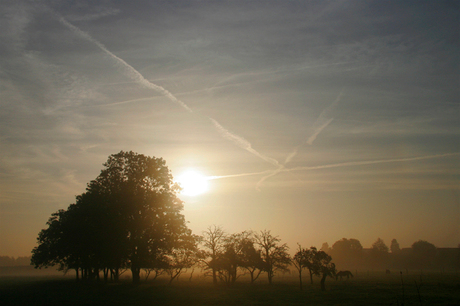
{"x":193,"y":183}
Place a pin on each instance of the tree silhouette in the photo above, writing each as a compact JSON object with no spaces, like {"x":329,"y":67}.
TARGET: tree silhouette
{"x":274,"y":255}
{"x":394,"y":246}
{"x":379,"y":253}
{"x":311,"y":261}
{"x":128,"y":216}
{"x":52,"y":247}
{"x":251,"y":258}
{"x":182,"y":256}
{"x":325,"y":267}
{"x":299,"y":262}
{"x":347,"y":252}
{"x":213,"y":240}
{"x":424,"y":253}
{"x":234,"y":256}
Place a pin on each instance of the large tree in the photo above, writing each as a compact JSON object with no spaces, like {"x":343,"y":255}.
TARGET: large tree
{"x":129,"y":215}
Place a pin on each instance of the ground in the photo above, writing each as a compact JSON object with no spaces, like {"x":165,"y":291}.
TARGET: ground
{"x":366,"y":288}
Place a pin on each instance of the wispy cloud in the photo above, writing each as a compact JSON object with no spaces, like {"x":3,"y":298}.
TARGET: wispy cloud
{"x":137,"y":77}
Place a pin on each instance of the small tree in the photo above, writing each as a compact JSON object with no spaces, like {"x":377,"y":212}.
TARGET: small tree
{"x":325,"y":267}
{"x":234,"y":256}
{"x":299,"y":262}
{"x":274,"y":255}
{"x":251,"y":258}
{"x":183,"y":255}
{"x":213,"y":241}
{"x":311,"y":262}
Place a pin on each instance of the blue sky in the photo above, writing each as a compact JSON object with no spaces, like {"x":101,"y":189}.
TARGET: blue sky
{"x":318,"y":120}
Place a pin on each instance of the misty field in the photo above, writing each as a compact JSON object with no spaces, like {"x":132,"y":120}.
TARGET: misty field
{"x":364,"y":289}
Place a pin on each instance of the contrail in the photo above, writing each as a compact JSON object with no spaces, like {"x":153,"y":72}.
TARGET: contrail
{"x":372,"y":162}
{"x":340,"y":165}
{"x":324,"y":119}
{"x":241,"y":142}
{"x":318,"y":130}
{"x":130,"y":71}
{"x":136,"y":76}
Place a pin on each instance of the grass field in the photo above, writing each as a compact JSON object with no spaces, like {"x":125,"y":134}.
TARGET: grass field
{"x":363,"y":289}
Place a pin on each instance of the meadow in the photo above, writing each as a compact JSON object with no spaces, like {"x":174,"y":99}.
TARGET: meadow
{"x":366,"y":288}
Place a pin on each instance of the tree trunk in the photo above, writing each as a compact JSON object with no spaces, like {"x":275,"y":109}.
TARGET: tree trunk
{"x":300,"y":279}
{"x":214,"y":276}
{"x":270,"y":277}
{"x":106,"y":275}
{"x":323,"y":280}
{"x":136,"y":275}
{"x":311,"y":277}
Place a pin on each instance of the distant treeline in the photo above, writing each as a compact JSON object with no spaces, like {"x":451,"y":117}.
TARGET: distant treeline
{"x":6,"y":261}
{"x":349,"y":254}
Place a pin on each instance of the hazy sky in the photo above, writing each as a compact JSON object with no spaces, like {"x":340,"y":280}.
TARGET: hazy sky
{"x":318,"y":120}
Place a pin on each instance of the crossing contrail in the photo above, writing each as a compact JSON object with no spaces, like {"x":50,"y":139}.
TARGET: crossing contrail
{"x":323,"y":120}
{"x":138,"y":77}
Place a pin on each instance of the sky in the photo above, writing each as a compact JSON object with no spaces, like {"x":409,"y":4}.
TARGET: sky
{"x":317,"y":120}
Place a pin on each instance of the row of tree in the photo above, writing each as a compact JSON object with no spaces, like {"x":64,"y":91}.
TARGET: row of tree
{"x":130,"y":218}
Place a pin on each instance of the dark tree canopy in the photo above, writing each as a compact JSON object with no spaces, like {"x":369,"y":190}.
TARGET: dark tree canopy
{"x":394,"y":247}
{"x":424,"y":253}
{"x":379,"y":254}
{"x":128,"y":217}
{"x":347,"y":253}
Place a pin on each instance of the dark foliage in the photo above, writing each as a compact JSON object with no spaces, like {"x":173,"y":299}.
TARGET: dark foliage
{"x":129,"y":217}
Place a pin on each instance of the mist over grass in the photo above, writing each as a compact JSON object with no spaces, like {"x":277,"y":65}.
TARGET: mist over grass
{"x":366,"y":288}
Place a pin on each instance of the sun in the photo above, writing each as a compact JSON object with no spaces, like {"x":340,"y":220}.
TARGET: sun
{"x":193,"y":183}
